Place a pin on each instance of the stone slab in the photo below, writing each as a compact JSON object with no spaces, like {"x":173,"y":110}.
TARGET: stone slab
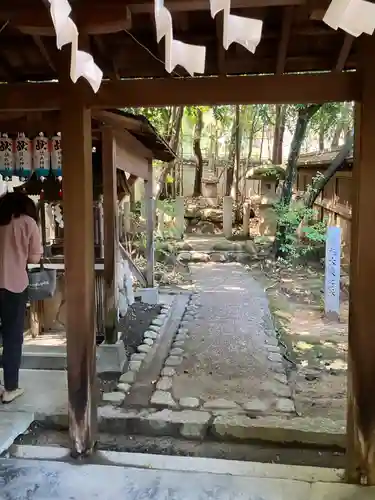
{"x":61,"y":480}
{"x":46,"y":394}
{"x":12,"y":424}
{"x":111,"y":358}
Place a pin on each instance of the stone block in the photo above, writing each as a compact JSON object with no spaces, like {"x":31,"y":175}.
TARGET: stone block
{"x":164,"y":384}
{"x":189,"y":402}
{"x":135,"y":365}
{"x":168,"y":371}
{"x":111,"y":358}
{"x":233,"y":426}
{"x":256,"y":407}
{"x":151,"y":335}
{"x":221,"y":404}
{"x":148,"y":295}
{"x":144,"y":348}
{"x":173,"y":361}
{"x":113,"y":397}
{"x":285,"y":405}
{"x":127,"y":378}
{"x":163,"y":398}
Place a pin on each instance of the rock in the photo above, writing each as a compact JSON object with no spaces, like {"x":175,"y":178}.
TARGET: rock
{"x":281,"y":377}
{"x":123,"y":387}
{"x":272,"y":341}
{"x":184,"y":323}
{"x":218,"y":257}
{"x":173,"y":361}
{"x":187,"y":246}
{"x":163,"y":398}
{"x":176,"y":351}
{"x":250,"y":247}
{"x":183,"y":331}
{"x":199,"y":257}
{"x":164,"y":384}
{"x":154,"y":328}
{"x":189,"y":403}
{"x":168,"y":371}
{"x":148,"y":341}
{"x":178,"y":344}
{"x":184,"y":256}
{"x":135,"y":365}
{"x":273,"y":348}
{"x":188,"y":318}
{"x":190,"y":424}
{"x":150,"y":335}
{"x":180,"y":337}
{"x":256,"y":407}
{"x":113,"y":397}
{"x":158,"y":322}
{"x":212,"y":214}
{"x":283,"y":315}
{"x":233,"y":426}
{"x":220,"y":404}
{"x":285,"y":405}
{"x":127,"y":378}
{"x":275,"y":357}
{"x":138,"y":356}
{"x":205,"y":227}
{"x":144,"y":348}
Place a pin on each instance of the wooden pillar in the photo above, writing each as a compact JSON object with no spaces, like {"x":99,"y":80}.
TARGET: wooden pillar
{"x":150,"y":220}
{"x":361,"y":362}
{"x":110,"y":234}
{"x":79,"y":269}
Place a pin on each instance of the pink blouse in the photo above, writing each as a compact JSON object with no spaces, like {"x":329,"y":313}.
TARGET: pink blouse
{"x":20,"y":243}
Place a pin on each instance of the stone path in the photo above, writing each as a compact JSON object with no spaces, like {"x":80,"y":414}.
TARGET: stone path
{"x":225,"y":356}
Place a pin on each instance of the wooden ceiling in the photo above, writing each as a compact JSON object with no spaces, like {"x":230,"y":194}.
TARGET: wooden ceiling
{"x":121,"y":36}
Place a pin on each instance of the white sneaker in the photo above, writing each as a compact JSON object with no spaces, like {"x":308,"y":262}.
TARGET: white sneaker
{"x":9,"y":396}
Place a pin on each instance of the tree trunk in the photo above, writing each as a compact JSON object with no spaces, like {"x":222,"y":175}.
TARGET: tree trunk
{"x":321,"y":137}
{"x":231,"y":159}
{"x":174,"y":140}
{"x":198,"y":154}
{"x":261,"y":144}
{"x":305,"y":114}
{"x":336,"y":136}
{"x":277,"y":151}
{"x":318,"y":186}
{"x":238,"y":155}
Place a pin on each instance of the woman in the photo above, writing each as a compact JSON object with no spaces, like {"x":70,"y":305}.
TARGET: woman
{"x":20,"y":243}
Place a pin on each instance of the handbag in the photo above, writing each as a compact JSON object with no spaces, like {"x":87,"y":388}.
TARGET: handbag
{"x":42,"y":283}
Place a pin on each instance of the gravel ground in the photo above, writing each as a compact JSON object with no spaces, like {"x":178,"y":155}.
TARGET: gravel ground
{"x":226,"y":353}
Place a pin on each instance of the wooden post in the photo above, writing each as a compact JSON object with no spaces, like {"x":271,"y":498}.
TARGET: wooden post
{"x":79,"y":269}
{"x":246,"y":219}
{"x":110,"y":234}
{"x":180,"y":216}
{"x":150,"y":209}
{"x":361,"y":362}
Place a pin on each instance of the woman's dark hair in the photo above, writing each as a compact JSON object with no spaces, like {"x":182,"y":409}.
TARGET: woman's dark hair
{"x":15,"y":204}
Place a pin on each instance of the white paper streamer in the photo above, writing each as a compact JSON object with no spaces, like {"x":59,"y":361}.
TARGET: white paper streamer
{"x":243,"y":30}
{"x":353,"y":16}
{"x":82,"y":63}
{"x":190,"y":57}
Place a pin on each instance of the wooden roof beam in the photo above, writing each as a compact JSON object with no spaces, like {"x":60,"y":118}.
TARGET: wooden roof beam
{"x":220,"y":51}
{"x":284,"y":40}
{"x":98,"y":43}
{"x":344,"y":53}
{"x":43,"y":50}
{"x":264,"y":89}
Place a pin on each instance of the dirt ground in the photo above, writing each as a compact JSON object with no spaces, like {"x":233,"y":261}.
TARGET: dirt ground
{"x":315,"y":347}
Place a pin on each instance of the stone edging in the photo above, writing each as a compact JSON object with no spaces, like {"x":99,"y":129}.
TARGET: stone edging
{"x":162,"y":397}
{"x":149,"y":337}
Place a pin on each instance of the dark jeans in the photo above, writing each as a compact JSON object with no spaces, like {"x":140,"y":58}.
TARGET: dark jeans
{"x":12,"y":316}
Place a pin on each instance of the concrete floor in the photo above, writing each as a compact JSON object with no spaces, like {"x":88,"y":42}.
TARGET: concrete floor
{"x":165,"y":478}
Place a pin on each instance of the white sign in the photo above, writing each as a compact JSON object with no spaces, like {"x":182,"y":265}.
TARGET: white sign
{"x":332,"y":272}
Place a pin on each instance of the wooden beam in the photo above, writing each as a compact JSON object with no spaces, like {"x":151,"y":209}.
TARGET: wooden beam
{"x":110,"y":234}
{"x":361,"y":356}
{"x":150,"y":220}
{"x":43,"y":50}
{"x":344,"y":53}
{"x":104,"y":56}
{"x":284,"y":40}
{"x":219,"y":27}
{"x":264,"y":89}
{"x":79,"y":270}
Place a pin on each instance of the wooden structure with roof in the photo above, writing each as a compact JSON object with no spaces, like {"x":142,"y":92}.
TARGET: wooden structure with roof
{"x":299,"y":60}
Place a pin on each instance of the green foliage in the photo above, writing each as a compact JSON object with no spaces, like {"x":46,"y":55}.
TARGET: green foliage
{"x":296,"y":223}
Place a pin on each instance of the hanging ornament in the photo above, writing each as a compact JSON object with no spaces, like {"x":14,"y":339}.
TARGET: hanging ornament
{"x":56,"y":155}
{"x":6,"y":157}
{"x":58,"y":216}
{"x":41,"y":156}
{"x":23,"y":157}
